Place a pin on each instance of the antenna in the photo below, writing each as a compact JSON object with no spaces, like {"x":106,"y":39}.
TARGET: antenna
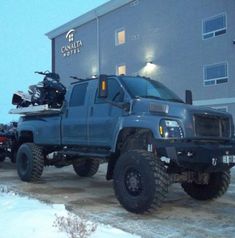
{"x":76,"y":78}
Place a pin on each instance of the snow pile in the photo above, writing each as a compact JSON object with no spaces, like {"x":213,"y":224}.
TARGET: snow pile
{"x":22,"y":217}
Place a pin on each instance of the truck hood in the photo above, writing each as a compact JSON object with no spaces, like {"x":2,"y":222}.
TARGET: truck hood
{"x":172,"y":109}
{"x":184,"y":113}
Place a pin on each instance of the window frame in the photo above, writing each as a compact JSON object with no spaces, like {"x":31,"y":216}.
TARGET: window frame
{"x":215,"y":79}
{"x":213,"y":32}
{"x":97,"y":101}
{"x":117,"y":68}
{"x":71,"y":95}
{"x":116,"y":36}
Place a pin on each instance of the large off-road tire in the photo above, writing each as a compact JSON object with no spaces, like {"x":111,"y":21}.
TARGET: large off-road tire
{"x":86,"y":167}
{"x":139,"y":140}
{"x":216,"y":187}
{"x":140,"y":181}
{"x":29,"y":162}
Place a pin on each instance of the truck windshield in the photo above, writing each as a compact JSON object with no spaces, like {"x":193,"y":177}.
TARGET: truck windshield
{"x":147,"y":88}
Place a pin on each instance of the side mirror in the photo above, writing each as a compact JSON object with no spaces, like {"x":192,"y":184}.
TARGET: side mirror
{"x":103,"y":86}
{"x":188,"y":97}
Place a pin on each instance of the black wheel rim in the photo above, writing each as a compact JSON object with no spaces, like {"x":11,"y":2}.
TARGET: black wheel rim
{"x":133,"y":182}
{"x":24,"y":163}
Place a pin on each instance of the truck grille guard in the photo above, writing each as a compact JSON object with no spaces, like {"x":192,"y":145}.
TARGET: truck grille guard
{"x":206,"y":126}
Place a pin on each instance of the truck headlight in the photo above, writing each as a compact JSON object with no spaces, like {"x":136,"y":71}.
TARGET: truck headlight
{"x":170,"y":129}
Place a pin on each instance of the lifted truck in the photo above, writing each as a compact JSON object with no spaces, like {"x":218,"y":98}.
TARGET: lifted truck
{"x":148,"y":135}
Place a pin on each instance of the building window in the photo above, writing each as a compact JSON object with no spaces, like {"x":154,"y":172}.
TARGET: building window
{"x":121,"y":69}
{"x":214,"y":26}
{"x":120,"y":37}
{"x":215,"y":74}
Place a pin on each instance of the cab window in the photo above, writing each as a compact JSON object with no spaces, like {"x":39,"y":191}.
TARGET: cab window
{"x":78,"y":95}
{"x":115,"y":92}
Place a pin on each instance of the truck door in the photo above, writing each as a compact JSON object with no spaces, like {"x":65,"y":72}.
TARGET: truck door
{"x":74,"y":122}
{"x":103,"y":117}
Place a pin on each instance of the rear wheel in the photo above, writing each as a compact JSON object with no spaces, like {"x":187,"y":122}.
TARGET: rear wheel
{"x":140,"y":181}
{"x":216,"y":187}
{"x":86,"y":167}
{"x":29,"y":162}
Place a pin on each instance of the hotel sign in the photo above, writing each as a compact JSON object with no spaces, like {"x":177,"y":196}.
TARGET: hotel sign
{"x":73,"y":47}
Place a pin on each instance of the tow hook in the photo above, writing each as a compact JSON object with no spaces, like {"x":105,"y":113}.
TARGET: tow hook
{"x":150,"y":148}
{"x":214,"y":161}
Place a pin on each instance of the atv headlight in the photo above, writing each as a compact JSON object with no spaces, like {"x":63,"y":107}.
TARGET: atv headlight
{"x":170,"y":129}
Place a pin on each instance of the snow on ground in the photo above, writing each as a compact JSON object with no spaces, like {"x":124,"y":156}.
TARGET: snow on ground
{"x":22,"y":217}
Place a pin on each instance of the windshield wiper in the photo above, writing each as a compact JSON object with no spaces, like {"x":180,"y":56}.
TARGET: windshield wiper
{"x":175,"y":100}
{"x":159,"y":98}
{"x":150,"y":96}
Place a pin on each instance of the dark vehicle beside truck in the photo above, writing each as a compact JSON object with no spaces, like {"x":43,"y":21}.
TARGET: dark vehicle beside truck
{"x":8,"y":141}
{"x":148,"y":135}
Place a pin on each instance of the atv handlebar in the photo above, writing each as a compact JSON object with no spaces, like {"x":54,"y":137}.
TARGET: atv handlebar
{"x":49,"y":75}
{"x":39,"y":72}
{"x":76,"y":78}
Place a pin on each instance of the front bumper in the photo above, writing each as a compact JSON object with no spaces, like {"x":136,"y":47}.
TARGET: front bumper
{"x":199,"y":155}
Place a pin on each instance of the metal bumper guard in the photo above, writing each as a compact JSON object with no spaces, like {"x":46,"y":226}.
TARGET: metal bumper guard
{"x":199,"y":155}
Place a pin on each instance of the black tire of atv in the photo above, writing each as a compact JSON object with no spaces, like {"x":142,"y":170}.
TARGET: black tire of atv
{"x":150,"y":174}
{"x":86,"y":167}
{"x":217,"y":186}
{"x":29,"y":162}
{"x":13,"y":157}
{"x":2,"y":158}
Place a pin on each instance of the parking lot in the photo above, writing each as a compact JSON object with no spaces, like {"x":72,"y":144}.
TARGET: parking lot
{"x":179,"y":216}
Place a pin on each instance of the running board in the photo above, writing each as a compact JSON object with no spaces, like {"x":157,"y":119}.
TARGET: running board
{"x":103,"y":155}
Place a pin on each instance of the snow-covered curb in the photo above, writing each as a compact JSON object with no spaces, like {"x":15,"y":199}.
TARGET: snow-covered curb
{"x":23,"y":217}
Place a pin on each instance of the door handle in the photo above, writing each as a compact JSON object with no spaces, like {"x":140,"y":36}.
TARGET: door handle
{"x":91,"y":111}
{"x":66,"y":113}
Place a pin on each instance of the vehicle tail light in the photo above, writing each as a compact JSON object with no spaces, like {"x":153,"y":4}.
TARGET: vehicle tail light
{"x":3,"y":139}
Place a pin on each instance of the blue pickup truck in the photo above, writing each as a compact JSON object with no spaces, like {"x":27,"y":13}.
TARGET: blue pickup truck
{"x":149,"y":137}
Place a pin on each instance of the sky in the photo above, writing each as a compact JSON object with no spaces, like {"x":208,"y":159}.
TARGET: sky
{"x":24,"y":48}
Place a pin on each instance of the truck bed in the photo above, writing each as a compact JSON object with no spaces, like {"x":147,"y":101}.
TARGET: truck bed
{"x":35,"y":110}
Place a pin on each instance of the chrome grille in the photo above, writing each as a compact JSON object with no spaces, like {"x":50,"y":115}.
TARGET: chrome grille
{"x":209,"y":126}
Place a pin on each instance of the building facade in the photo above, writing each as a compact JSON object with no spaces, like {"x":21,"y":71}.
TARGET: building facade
{"x":185,"y":44}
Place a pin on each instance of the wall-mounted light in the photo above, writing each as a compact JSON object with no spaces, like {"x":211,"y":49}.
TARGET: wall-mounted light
{"x":94,"y":76}
{"x":149,"y":69}
{"x":150,"y":66}
{"x":149,"y":63}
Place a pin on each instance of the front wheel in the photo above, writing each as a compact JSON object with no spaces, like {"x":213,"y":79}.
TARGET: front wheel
{"x":217,"y":185}
{"x":140,"y":181}
{"x":29,"y":162}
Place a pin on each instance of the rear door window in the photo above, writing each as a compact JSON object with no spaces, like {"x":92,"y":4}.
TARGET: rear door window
{"x":78,"y":95}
